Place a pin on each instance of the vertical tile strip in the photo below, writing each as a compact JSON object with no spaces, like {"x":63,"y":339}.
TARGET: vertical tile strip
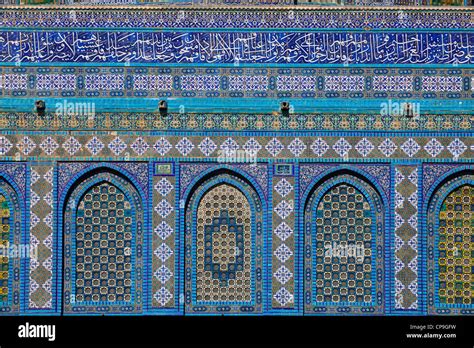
{"x":163,"y":242}
{"x":283,"y":243}
{"x":406,"y":237}
{"x":41,"y":236}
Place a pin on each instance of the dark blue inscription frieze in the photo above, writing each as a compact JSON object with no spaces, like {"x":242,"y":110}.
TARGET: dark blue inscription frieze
{"x":236,"y":48}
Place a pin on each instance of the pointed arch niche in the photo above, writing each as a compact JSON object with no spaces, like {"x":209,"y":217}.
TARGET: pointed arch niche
{"x":450,"y":232}
{"x":223,"y":246}
{"x":344,"y":226}
{"x":103,"y":238}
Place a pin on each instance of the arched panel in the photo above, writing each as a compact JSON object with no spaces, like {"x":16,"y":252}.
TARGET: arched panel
{"x":12,"y":251}
{"x":224,"y":243}
{"x":5,"y":230}
{"x":343,"y":246}
{"x":344,"y":234}
{"x":103,"y":222}
{"x":455,"y":247}
{"x":450,"y":225}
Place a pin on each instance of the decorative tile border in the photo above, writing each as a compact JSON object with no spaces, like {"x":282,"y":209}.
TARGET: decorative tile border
{"x":214,"y":47}
{"x":227,"y":149}
{"x":163,"y":243}
{"x":166,"y":2}
{"x":68,"y":172}
{"x":42,"y":228}
{"x":284,"y":243}
{"x":252,"y":3}
{"x":405,"y":255}
{"x":239,"y":122}
{"x":238,"y":18}
{"x":400,"y":85}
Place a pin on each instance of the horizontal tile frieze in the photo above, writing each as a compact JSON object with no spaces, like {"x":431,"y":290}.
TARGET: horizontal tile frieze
{"x":235,"y":149}
{"x":214,"y":47}
{"x":189,"y":122}
{"x":24,"y":81}
{"x":128,"y":17}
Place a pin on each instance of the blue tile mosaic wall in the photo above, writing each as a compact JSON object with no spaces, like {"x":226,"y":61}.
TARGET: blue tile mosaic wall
{"x":222,"y":203}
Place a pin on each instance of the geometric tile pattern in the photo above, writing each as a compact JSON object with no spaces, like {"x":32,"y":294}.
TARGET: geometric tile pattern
{"x":406,"y":237}
{"x":103,"y":230}
{"x":143,"y":121}
{"x":163,"y":244}
{"x":449,"y":236}
{"x":456,"y":247}
{"x":5,"y":145}
{"x":344,"y":261}
{"x":283,"y":245}
{"x":318,"y":83}
{"x":11,"y":227}
{"x":257,"y":171}
{"x":238,"y":242}
{"x":244,"y":18}
{"x":4,"y":241}
{"x":56,"y":82}
{"x":68,"y":172}
{"x":150,"y":146}
{"x":224,"y":246}
{"x":343,"y":247}
{"x":41,"y":236}
{"x":14,"y":82}
{"x":344,"y":83}
{"x":407,"y":282}
{"x":103,"y":246}
{"x":431,"y":173}
{"x":224,"y":241}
